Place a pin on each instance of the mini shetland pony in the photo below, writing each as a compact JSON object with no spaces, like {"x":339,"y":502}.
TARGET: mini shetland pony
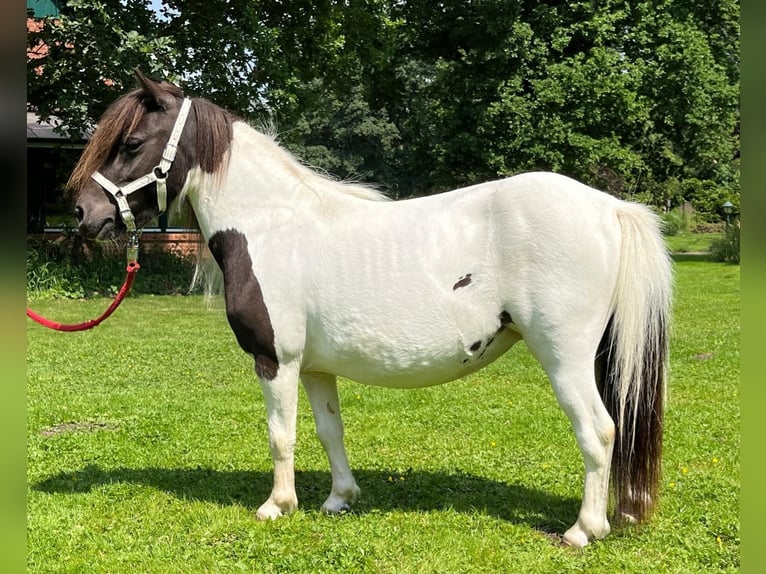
{"x":326,"y":279}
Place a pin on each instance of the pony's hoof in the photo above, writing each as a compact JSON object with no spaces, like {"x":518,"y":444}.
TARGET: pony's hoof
{"x":339,"y":502}
{"x":271,"y":511}
{"x":342,"y":509}
{"x":336,"y":507}
{"x":583,"y":532}
{"x":575,"y":537}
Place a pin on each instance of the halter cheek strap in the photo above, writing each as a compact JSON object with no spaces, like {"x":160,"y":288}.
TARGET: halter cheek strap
{"x":158,"y":174}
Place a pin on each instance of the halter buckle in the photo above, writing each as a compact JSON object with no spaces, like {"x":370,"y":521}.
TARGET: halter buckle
{"x":132,"y":248}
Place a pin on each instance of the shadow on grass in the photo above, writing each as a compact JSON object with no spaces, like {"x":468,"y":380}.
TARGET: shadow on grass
{"x":382,"y":490}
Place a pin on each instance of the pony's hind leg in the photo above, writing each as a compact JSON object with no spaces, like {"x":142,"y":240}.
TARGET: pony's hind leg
{"x":572,"y":376}
{"x":281,"y":397}
{"x":322,"y":392}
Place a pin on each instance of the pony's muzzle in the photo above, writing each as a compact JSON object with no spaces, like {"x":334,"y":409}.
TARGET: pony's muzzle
{"x":95,"y":219}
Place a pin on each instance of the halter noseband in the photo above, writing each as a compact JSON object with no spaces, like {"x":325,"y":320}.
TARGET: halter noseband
{"x":159,"y":174}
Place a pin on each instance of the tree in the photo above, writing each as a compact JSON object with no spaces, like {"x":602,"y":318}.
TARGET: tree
{"x":689,"y":80}
{"x":627,"y":96}
{"x":93,"y":50}
{"x":635,"y":97}
{"x":346,"y":138}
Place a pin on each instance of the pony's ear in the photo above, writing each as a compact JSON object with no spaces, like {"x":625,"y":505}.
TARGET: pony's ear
{"x":156,"y":91}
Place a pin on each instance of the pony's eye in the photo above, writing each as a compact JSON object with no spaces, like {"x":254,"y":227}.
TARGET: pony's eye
{"x":132,"y":144}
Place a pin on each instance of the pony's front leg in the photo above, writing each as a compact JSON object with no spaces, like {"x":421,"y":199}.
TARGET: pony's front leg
{"x":322,"y":392}
{"x":281,"y":397}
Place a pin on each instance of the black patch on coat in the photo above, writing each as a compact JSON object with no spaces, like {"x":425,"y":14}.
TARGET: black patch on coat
{"x":245,"y":308}
{"x":475,"y":346}
{"x":464,"y":281}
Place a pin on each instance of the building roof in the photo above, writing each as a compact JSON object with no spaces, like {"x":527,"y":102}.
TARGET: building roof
{"x":45,"y":8}
{"x":37,"y":130}
{"x":40,"y":133}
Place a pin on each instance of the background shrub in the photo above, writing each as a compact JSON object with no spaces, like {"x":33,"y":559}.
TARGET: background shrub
{"x":671,"y":223}
{"x":70,"y":268}
{"x":726,"y":249}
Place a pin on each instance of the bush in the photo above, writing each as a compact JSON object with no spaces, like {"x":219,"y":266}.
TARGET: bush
{"x":727,"y":248}
{"x":70,"y":268}
{"x":671,"y":223}
{"x":48,"y":278}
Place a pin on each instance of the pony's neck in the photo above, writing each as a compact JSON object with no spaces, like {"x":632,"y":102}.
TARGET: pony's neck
{"x":263,"y":186}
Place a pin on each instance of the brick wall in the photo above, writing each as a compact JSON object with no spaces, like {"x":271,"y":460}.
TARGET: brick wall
{"x":184,"y":243}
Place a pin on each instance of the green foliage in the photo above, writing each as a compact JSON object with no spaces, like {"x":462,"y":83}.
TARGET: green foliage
{"x":695,"y":116}
{"x":671,"y":223}
{"x":70,"y":269}
{"x":727,"y":248}
{"x":345,"y":137}
{"x":705,"y":196}
{"x":695,"y":217}
{"x":93,"y":50}
{"x":47,"y":277}
{"x":147,"y":451}
{"x":594,"y":90}
{"x":638,"y":98}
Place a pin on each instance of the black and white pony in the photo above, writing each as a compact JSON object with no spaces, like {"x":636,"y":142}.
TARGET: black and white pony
{"x":325,"y":279}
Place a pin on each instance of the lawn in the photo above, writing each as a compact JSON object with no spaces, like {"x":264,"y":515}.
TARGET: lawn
{"x":688,"y":242}
{"x":147,"y":452}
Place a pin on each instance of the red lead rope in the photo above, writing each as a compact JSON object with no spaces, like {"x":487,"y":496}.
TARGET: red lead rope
{"x":132,"y":268}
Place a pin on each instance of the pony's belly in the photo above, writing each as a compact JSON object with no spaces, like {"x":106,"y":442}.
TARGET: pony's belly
{"x":397,"y":368}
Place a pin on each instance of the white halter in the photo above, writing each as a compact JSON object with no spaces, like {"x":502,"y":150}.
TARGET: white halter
{"x":159,"y":174}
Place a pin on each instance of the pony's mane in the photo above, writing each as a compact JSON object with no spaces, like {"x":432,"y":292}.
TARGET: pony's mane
{"x":315,"y":177}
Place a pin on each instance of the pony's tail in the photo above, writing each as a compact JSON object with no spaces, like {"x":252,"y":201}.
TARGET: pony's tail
{"x":632,"y":360}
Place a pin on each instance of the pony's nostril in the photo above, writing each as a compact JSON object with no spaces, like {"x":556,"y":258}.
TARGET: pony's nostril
{"x":78,"y":214}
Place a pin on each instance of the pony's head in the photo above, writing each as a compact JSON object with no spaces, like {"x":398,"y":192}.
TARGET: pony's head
{"x":127,"y":148}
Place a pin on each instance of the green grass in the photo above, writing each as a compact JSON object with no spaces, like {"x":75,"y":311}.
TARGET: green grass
{"x":688,"y":242}
{"x":147,"y":452}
